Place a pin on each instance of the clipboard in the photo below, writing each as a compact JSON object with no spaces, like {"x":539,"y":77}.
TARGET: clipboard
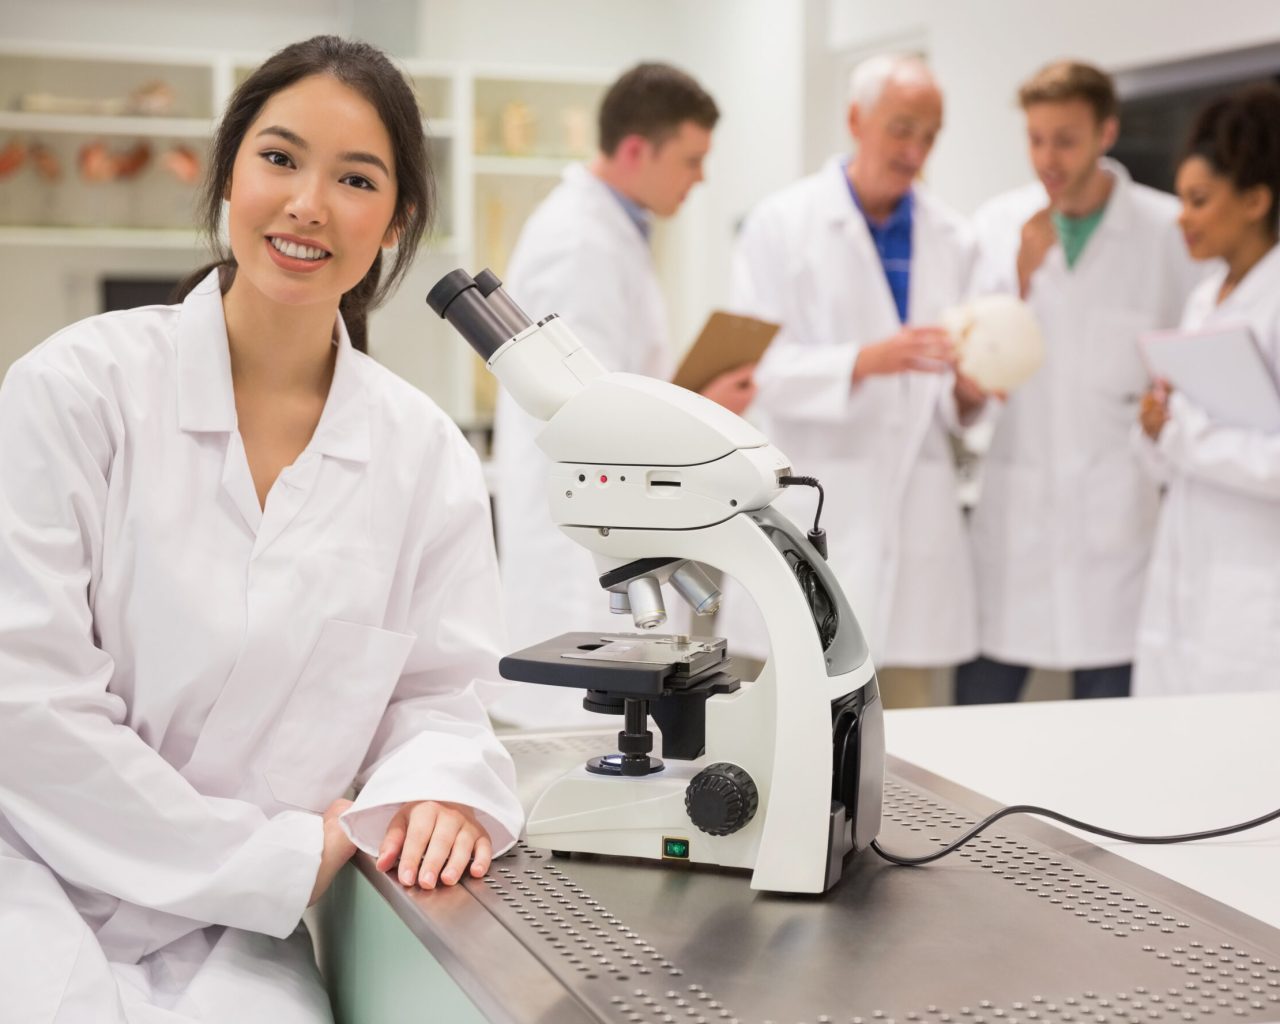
{"x":1221,"y":369}
{"x":726,"y":342}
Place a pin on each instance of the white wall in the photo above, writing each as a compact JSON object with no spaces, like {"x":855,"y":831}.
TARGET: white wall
{"x":982,"y":51}
{"x":174,"y":24}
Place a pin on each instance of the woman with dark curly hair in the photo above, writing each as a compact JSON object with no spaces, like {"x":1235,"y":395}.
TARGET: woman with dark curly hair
{"x":242,"y":568}
{"x":1211,"y":615}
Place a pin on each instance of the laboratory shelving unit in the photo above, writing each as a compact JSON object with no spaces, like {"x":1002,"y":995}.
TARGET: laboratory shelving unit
{"x":499,"y":135}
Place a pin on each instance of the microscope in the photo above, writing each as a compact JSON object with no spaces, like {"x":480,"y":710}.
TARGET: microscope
{"x":782,"y":775}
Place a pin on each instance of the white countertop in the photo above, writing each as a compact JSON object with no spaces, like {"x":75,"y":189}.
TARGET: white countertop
{"x":1146,"y":766}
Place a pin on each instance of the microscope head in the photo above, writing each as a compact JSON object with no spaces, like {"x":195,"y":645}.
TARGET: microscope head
{"x":626,"y":451}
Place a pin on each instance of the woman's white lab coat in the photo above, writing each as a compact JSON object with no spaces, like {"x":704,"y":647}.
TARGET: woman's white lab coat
{"x":1063,"y":528}
{"x":186,"y":679}
{"x":581,"y":256}
{"x":806,"y":260}
{"x":1211,"y":615}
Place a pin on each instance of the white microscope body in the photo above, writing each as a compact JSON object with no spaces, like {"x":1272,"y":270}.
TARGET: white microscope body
{"x":654,"y":479}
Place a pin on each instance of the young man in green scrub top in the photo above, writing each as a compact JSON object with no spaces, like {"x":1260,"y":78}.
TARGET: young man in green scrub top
{"x":1063,"y":529}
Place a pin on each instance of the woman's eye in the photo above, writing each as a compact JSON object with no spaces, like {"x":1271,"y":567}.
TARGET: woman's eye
{"x":276,"y":158}
{"x":359,"y":181}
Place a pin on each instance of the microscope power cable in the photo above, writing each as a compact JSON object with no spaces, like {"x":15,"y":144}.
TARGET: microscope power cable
{"x":1044,"y":812}
{"x":808,"y":481}
{"x":817,"y":536}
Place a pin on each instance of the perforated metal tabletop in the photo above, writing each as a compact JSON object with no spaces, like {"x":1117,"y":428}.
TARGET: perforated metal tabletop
{"x":1025,"y":924}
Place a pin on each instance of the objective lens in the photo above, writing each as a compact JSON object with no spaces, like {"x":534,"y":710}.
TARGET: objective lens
{"x":695,"y":586}
{"x":647,"y":608}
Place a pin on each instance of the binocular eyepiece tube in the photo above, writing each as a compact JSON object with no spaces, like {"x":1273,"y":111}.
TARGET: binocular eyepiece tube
{"x":479,"y":309}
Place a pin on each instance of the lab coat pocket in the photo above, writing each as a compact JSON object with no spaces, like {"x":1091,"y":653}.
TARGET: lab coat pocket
{"x":333,"y":712}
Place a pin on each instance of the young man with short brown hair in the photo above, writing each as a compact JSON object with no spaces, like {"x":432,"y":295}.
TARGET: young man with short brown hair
{"x":1063,"y":528}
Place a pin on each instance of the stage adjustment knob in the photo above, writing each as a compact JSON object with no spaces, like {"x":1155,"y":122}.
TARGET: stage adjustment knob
{"x":721,"y":799}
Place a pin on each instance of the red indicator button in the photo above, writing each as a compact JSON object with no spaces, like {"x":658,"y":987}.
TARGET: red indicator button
{"x":604,"y":479}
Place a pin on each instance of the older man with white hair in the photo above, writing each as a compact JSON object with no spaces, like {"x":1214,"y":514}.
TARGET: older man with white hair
{"x":857,"y":263}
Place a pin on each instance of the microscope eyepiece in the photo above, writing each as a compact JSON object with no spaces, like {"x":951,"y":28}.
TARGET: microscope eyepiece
{"x":456,"y":298}
{"x":501,"y":303}
{"x":488,"y":282}
{"x":447,"y":289}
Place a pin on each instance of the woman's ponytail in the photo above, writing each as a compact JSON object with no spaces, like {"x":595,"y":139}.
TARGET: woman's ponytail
{"x":355,"y":305}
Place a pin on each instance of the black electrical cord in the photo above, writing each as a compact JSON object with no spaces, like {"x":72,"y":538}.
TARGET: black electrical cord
{"x":807,"y":481}
{"x":817,"y":536}
{"x":1044,"y":812}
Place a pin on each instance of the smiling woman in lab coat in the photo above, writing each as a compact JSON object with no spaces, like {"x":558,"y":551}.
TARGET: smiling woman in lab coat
{"x":1211,"y":616}
{"x":241,"y":567}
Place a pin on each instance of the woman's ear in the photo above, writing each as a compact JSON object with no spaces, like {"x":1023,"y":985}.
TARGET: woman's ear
{"x":392,"y":238}
{"x":1257,"y":201}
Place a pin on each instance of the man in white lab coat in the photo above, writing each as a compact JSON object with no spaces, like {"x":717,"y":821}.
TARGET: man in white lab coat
{"x":584,"y":254}
{"x":1063,"y":529}
{"x":857,"y":262}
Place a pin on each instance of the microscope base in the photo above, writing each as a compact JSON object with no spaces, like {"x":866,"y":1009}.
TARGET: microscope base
{"x":634,"y":817}
{"x":646,"y":818}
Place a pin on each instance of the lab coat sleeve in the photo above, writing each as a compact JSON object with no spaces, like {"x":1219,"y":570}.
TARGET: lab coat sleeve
{"x":1241,"y":460}
{"x":103,"y":809}
{"x":796,"y":380}
{"x":435,"y":741}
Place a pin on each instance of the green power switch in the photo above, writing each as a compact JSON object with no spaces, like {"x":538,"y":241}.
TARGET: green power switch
{"x":675,"y":849}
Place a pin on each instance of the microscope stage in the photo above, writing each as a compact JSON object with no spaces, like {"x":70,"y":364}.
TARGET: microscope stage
{"x":641,"y":665}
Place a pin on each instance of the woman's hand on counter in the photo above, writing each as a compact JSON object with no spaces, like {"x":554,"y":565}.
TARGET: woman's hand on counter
{"x":434,"y":841}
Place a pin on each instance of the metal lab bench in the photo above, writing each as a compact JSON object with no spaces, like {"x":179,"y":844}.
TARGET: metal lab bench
{"x":1029,"y":923}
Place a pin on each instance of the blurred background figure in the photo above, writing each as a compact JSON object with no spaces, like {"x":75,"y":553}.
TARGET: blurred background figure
{"x":857,"y":263}
{"x":1211,"y":618}
{"x":584,"y":254}
{"x":1062,"y":530}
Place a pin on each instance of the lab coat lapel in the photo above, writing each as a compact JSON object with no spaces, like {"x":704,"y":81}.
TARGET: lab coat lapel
{"x":1115,"y":227}
{"x":1254,"y":290}
{"x":928,"y":283}
{"x":876,"y":316}
{"x":342,"y":433}
{"x":206,"y":399}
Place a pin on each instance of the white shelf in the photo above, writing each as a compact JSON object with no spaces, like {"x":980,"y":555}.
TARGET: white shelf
{"x":522,"y":166}
{"x":87,"y":124}
{"x":483,"y":197}
{"x":106,"y":238}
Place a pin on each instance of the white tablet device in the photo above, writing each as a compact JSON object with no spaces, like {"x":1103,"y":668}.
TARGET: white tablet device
{"x":1221,"y":369}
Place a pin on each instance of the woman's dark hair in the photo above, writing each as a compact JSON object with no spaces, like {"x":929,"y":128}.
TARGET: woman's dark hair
{"x":367,"y":70}
{"x":1239,"y":137}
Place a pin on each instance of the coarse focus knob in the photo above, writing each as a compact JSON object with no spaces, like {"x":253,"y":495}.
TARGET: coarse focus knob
{"x":721,"y":799}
